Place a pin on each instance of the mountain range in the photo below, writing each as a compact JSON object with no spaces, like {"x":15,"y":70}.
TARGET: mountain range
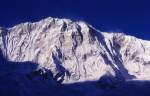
{"x":62,"y":51}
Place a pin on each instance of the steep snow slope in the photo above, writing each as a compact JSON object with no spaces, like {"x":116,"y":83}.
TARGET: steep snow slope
{"x":75,"y":51}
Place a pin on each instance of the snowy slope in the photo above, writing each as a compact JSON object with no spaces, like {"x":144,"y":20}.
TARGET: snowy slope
{"x":75,"y":51}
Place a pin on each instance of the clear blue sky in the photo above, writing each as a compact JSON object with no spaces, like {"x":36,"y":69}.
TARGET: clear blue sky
{"x":129,"y":16}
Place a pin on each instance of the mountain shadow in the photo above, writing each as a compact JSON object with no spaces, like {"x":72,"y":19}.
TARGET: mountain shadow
{"x":23,"y":79}
{"x":121,"y":72}
{"x":27,"y":79}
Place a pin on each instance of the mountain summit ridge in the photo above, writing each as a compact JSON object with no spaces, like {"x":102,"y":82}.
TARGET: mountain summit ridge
{"x":76,"y":51}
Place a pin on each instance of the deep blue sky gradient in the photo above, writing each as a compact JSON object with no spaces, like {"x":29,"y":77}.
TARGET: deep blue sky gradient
{"x":129,"y":16}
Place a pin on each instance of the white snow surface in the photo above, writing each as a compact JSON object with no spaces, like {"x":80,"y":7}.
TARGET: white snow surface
{"x":76,"y":51}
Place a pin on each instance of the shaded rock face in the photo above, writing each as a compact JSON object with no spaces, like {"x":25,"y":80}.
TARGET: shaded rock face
{"x":75,"y":51}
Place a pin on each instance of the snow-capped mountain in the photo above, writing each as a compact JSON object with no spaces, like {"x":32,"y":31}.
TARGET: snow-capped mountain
{"x":74,"y":51}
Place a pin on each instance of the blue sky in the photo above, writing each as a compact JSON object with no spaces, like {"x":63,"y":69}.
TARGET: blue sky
{"x":129,"y":16}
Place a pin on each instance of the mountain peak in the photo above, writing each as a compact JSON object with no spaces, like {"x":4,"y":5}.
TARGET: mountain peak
{"x":76,"y":51}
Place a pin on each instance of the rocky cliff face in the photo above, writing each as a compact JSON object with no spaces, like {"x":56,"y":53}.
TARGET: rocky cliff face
{"x":75,"y":51}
